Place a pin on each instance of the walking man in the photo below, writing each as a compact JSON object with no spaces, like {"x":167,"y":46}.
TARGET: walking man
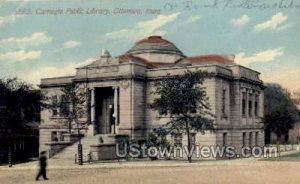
{"x":43,"y":165}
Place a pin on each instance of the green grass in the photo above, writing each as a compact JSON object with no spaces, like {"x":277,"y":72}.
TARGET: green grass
{"x":289,"y":157}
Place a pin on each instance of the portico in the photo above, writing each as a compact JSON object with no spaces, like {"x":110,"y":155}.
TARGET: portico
{"x":104,"y":110}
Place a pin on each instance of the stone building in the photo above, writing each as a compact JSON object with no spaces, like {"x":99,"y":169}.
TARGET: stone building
{"x":120,"y":89}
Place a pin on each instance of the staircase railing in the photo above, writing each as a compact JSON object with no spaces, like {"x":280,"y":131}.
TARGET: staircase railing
{"x":85,"y":158}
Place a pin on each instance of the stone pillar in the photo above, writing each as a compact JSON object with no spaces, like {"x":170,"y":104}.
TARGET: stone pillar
{"x":261,"y":104}
{"x":116,"y":110}
{"x":253,"y":104}
{"x":247,"y":104}
{"x":247,"y":107}
{"x":91,"y":129}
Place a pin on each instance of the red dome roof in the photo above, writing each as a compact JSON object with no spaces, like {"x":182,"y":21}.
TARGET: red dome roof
{"x":154,"y":39}
{"x":154,"y":44}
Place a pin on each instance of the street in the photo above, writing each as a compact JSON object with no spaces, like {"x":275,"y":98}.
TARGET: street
{"x":234,"y":171}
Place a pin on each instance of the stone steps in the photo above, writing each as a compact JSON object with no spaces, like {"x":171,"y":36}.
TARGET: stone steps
{"x":70,"y":151}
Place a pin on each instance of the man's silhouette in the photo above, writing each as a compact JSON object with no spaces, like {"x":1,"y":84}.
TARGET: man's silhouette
{"x":43,"y":165}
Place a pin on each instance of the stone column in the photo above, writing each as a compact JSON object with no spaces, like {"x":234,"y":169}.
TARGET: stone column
{"x":116,"y":110}
{"x":247,"y":104}
{"x":93,"y":118}
{"x":253,"y":104}
{"x":247,"y":107}
{"x":261,"y":104}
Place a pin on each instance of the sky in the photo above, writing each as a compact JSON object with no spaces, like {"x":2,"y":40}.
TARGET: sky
{"x":40,"y":39}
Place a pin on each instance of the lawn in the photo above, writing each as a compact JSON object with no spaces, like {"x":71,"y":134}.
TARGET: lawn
{"x":288,"y":157}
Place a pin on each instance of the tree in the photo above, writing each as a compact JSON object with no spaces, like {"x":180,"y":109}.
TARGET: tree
{"x":72,"y":105}
{"x":184,"y":100}
{"x":280,"y":111}
{"x":157,"y":138}
{"x":21,"y":104}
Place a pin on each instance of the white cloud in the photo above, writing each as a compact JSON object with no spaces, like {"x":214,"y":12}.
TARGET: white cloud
{"x":158,"y":22}
{"x":55,"y":71}
{"x":71,"y":44}
{"x":14,"y":49}
{"x":9,"y":19}
{"x":35,"y":39}
{"x":274,"y":23}
{"x":144,"y":28}
{"x":241,"y":21}
{"x":20,"y":55}
{"x":193,"y":19}
{"x":263,"y":56}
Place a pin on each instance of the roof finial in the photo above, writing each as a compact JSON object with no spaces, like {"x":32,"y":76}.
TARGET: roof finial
{"x":105,"y":54}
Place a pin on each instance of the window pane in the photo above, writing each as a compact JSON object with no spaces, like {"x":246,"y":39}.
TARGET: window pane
{"x":250,"y":139}
{"x":256,"y":138}
{"x":54,"y":106}
{"x":244,"y":139}
{"x":64,"y":105}
{"x":224,"y":101}
{"x":224,"y":139}
{"x":178,"y":140}
{"x":193,"y":139}
{"x":244,"y":104}
{"x":250,"y":105}
{"x":256,"y":105}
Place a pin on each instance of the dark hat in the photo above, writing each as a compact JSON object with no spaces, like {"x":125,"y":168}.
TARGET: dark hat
{"x":43,"y":152}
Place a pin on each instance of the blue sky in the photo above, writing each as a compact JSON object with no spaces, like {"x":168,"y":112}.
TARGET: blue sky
{"x":36,"y":45}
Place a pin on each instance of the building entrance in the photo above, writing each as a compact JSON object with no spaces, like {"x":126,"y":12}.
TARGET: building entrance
{"x":104,"y":110}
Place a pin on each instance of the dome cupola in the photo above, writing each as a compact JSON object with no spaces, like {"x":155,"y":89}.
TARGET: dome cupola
{"x":156,"y":49}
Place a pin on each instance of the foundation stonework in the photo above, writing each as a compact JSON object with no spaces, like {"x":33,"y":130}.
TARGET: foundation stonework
{"x":235,"y":95}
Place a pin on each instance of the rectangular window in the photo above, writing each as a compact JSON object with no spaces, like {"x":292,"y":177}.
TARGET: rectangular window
{"x":64,"y":105}
{"x":224,"y":139}
{"x":54,"y":106}
{"x":54,"y":137}
{"x":256,"y":105}
{"x":178,"y":140}
{"x":256,"y":138}
{"x":250,"y":105}
{"x":193,"y":139}
{"x":244,"y":139}
{"x":224,"y":101}
{"x":250,"y":139}
{"x":244,"y":97}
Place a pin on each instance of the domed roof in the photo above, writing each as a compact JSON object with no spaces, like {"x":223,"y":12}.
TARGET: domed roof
{"x":154,"y":44}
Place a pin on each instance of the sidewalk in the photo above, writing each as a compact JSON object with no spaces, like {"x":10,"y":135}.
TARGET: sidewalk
{"x":69,"y":164}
